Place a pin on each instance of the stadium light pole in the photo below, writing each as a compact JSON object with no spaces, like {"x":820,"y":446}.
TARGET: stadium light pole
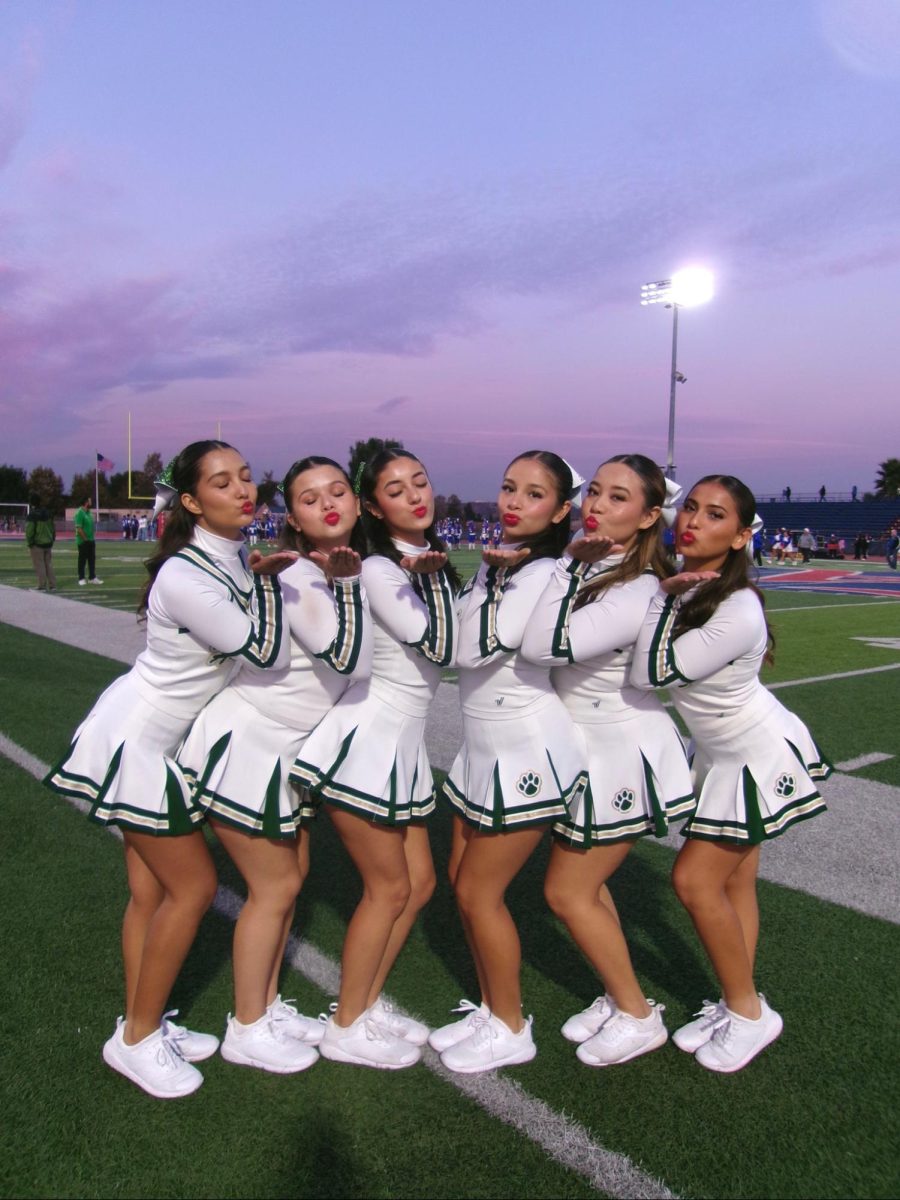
{"x":687,"y":288}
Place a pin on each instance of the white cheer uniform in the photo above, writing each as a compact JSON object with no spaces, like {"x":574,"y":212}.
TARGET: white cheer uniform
{"x":206,"y":615}
{"x":521,"y":758}
{"x":240,"y":751}
{"x":368,"y":755}
{"x":637,"y":776}
{"x":754,"y":761}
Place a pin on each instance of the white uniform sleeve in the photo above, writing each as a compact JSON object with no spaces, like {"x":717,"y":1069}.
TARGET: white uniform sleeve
{"x":559,"y":633}
{"x":416,"y":610}
{"x":196,"y":602}
{"x":332,"y":625}
{"x":495,"y":613}
{"x":662,"y":661}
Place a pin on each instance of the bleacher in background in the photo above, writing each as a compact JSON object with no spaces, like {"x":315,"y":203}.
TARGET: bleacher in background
{"x":847,"y":520}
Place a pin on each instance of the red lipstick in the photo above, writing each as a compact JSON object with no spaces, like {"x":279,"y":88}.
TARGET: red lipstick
{"x":687,"y":538}
{"x":591,"y":523}
{"x":510,"y":519}
{"x":332,"y":518}
{"x":247,"y":508}
{"x":420,"y":512}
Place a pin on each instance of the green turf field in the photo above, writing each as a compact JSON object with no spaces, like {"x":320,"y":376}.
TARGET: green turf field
{"x":814,"y":1116}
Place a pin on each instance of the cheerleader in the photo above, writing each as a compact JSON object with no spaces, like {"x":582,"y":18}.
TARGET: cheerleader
{"x":241,"y":748}
{"x":206,"y":614}
{"x":520,"y":760}
{"x":367,"y":762}
{"x":638,"y":776}
{"x":755,"y":763}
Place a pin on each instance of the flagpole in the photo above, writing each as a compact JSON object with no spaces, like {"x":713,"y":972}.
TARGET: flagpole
{"x":97,"y":484}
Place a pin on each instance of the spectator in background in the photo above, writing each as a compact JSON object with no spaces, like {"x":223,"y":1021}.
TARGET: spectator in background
{"x":854,"y":492}
{"x":832,"y":546}
{"x":758,"y":543}
{"x":40,"y":534}
{"x":822,"y":493}
{"x":807,"y":544}
{"x":142,"y":527}
{"x":891,"y":548}
{"x":84,"y":543}
{"x":786,"y":494}
{"x":861,"y":548}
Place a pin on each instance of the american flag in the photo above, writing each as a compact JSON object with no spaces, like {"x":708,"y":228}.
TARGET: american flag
{"x":104,"y":464}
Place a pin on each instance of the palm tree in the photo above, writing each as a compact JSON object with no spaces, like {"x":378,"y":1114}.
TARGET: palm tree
{"x":887,"y":481}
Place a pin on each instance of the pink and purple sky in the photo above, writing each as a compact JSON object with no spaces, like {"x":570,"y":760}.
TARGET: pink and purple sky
{"x":319,"y":221}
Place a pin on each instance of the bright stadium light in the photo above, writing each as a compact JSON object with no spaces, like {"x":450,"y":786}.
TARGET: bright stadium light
{"x":692,"y":286}
{"x":686,"y":289}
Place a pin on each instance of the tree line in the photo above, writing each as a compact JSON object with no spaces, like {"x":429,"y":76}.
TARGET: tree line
{"x":16,"y":486}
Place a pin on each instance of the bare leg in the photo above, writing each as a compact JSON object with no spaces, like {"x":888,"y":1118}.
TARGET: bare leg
{"x":701,"y":875}
{"x":489,"y":865}
{"x":377,"y":853}
{"x":420,"y":867}
{"x":185,"y":871}
{"x":741,"y":891}
{"x":272,"y":876}
{"x":573,"y":888}
{"x":462,"y":834}
{"x":147,"y":895}
{"x":303,"y":868}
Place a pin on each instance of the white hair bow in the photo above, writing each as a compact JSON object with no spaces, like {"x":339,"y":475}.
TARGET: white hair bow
{"x":577,"y":481}
{"x":673,"y":495}
{"x":756,"y":526}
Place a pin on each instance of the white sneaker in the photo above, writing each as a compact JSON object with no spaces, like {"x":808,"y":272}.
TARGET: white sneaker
{"x":82,"y":582}
{"x":492,"y":1045}
{"x":193,"y":1047}
{"x":588,"y":1022}
{"x":406,"y":1028}
{"x":295,"y":1024}
{"x":697,"y":1033}
{"x":154,"y":1064}
{"x":96,"y":580}
{"x":366,"y":1044}
{"x":443,"y":1038}
{"x":736,"y":1040}
{"x":624,"y":1037}
{"x":267,"y":1045}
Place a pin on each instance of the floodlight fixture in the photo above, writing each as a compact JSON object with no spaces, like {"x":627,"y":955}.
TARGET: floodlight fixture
{"x":686,"y":289}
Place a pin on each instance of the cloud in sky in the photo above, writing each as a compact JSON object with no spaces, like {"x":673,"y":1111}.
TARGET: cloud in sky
{"x":554,"y":198}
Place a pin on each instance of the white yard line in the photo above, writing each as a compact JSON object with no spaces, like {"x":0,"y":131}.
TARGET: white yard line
{"x":560,"y":1137}
{"x":864,"y":760}
{"x":828,"y":678}
{"x":820,"y":607}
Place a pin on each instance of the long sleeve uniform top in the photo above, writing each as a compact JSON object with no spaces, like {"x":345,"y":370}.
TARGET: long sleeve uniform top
{"x":590,"y":649}
{"x":414,"y":630}
{"x":712,"y":672}
{"x":494,"y":613}
{"x":206,"y":615}
{"x":330,"y":646}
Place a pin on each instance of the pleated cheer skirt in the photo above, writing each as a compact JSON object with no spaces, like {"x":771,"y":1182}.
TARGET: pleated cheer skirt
{"x":638,"y":779}
{"x":238,"y":763}
{"x":517,"y":771}
{"x":368,"y":757}
{"x":754,"y":783}
{"x":122,"y":761}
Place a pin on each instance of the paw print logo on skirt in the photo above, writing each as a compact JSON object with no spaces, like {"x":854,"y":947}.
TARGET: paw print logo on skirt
{"x":785,"y":786}
{"x":529,"y":783}
{"x":623,"y":800}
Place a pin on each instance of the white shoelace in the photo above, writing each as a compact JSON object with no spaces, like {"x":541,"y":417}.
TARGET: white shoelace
{"x":168,"y":1056}
{"x":709,"y":1012}
{"x":173,"y":1032}
{"x":722,"y":1030}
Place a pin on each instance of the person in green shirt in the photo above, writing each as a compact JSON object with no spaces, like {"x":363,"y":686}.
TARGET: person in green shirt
{"x":84,"y":542}
{"x":40,"y":534}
